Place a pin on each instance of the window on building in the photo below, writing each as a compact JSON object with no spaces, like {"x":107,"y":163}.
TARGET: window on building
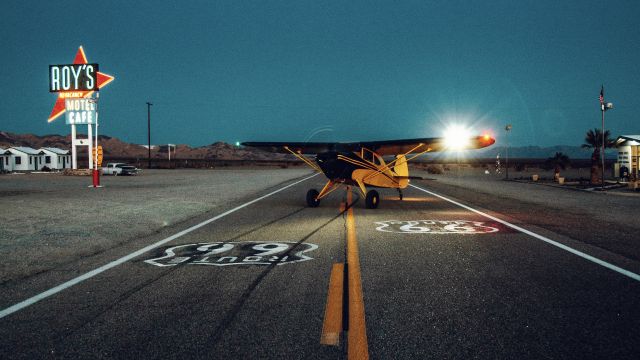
{"x":6,"y":161}
{"x":18,"y":160}
{"x":47,"y":159}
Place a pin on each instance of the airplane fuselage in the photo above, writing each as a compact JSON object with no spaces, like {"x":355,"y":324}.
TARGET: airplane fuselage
{"x":345,"y":167}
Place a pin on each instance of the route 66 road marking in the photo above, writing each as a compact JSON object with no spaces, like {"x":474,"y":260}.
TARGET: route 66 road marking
{"x":234,"y":253}
{"x":435,"y":227}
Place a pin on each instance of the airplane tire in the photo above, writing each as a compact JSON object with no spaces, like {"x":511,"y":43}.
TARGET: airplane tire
{"x":372,"y":200}
{"x":311,"y":198}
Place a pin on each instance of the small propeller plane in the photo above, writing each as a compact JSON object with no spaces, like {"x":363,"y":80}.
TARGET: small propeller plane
{"x":362,"y":164}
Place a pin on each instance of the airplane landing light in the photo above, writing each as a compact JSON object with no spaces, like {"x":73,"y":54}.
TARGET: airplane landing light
{"x":456,"y":137}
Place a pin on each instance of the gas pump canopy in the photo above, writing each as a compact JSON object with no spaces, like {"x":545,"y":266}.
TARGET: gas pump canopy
{"x":77,"y":80}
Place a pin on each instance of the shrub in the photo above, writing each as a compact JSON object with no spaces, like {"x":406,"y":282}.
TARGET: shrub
{"x":435,"y":169}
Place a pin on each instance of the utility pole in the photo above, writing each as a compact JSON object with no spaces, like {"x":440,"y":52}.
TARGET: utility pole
{"x":149,"y":131}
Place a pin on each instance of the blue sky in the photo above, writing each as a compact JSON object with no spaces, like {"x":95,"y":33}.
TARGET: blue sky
{"x":329,"y":70}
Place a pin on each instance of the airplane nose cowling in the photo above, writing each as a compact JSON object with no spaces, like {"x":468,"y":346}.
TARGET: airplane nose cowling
{"x":332,"y":167}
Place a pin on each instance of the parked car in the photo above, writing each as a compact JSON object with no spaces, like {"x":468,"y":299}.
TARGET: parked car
{"x":119,"y":169}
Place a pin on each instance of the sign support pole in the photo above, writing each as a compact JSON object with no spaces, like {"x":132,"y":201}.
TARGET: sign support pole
{"x":90,"y":141}
{"x":74,"y":158}
{"x":96,"y":172}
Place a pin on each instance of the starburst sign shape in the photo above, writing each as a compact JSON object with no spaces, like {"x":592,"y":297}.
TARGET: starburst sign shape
{"x":102,"y":79}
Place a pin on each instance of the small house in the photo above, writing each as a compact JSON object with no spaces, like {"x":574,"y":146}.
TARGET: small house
{"x":56,"y":159}
{"x":26,"y":158}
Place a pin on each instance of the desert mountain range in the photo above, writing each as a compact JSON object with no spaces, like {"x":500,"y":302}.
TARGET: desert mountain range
{"x":116,"y":148}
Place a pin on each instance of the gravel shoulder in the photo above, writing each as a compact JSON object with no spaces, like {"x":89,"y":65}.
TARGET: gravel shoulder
{"x":49,"y":220}
{"x":602,"y":219}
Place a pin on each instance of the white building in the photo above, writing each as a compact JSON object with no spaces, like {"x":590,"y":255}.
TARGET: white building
{"x":628,"y":153}
{"x":56,"y":159}
{"x":26,"y":158}
{"x":6,"y":162}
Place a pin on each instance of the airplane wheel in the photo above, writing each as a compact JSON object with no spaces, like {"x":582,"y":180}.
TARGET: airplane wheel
{"x":372,"y":200}
{"x":311,"y":198}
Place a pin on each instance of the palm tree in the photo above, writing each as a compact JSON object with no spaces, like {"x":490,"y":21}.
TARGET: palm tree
{"x":593,"y":139}
{"x":559,"y":161}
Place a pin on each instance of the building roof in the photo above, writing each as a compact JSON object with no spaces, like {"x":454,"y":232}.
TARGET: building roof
{"x":26,"y":150}
{"x":624,"y":140}
{"x":4,"y":152}
{"x":56,"y":150}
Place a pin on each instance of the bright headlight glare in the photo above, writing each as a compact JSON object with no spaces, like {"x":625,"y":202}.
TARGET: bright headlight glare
{"x":456,"y":137}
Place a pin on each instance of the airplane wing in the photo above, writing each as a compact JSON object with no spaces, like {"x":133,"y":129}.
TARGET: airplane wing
{"x":297,"y":147}
{"x":385,"y":147}
{"x":395,"y":147}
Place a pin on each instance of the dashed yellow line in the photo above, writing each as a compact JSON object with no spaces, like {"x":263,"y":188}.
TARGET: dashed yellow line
{"x":357,"y":346}
{"x":332,"y":326}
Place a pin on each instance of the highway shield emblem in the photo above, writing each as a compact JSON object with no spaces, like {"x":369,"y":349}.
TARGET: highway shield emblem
{"x":234,"y":253}
{"x":435,"y":227}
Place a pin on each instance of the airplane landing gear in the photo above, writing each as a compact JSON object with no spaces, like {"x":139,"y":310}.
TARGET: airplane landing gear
{"x":312,"y":198}
{"x":400,"y":194}
{"x":372,"y":200}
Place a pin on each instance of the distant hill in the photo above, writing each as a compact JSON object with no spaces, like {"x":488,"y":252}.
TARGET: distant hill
{"x":116,"y":148}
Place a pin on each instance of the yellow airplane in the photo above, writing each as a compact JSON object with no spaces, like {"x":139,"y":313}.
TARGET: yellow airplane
{"x":362,"y":164}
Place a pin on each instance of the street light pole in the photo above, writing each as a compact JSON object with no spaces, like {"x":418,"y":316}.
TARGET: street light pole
{"x":149,"y":132}
{"x":604,"y":106}
{"x":507,"y":129}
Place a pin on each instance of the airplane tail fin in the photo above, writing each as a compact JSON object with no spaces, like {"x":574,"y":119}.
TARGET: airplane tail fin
{"x":402,"y":170}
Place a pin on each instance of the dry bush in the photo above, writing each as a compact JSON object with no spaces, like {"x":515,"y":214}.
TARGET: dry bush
{"x":435,"y":169}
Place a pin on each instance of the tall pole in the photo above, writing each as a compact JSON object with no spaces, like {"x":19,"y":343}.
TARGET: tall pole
{"x":149,"y":132}
{"x":604,"y":106}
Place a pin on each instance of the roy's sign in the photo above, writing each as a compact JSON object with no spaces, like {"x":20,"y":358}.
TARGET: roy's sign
{"x":73,"y":77}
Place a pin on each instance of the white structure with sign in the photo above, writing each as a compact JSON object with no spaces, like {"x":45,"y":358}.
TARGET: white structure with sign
{"x":629,"y":153}
{"x":81,"y":111}
{"x":75,"y":83}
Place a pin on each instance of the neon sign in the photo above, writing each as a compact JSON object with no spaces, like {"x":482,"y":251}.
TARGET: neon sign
{"x":73,"y":77}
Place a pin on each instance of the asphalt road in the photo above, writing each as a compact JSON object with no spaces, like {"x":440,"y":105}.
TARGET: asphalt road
{"x":437,"y":280}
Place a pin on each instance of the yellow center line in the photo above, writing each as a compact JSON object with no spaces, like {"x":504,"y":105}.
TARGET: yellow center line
{"x":357,"y":346}
{"x":332,"y":326}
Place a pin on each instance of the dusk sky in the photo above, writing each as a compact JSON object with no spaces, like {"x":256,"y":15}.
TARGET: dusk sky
{"x":329,"y":71}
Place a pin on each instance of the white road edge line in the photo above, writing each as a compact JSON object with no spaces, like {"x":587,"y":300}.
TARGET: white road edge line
{"x":32,"y":300}
{"x":610,"y":266}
